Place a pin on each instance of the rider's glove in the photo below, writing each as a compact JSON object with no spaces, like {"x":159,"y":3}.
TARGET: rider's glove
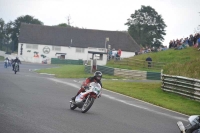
{"x":99,"y":96}
{"x":86,"y":87}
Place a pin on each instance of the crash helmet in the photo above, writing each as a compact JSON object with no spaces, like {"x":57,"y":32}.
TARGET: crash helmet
{"x":98,"y":75}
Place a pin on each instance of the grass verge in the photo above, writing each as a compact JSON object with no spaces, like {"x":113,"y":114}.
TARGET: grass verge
{"x":152,"y":93}
{"x":70,"y":71}
{"x":1,"y":58}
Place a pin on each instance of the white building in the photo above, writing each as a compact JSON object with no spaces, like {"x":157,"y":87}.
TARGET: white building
{"x":38,"y":43}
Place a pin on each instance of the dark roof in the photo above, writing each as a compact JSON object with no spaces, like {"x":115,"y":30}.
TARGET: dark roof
{"x":83,"y":38}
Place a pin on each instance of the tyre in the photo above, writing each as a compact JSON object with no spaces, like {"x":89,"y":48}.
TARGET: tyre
{"x":72,"y":106}
{"x":87,"y":105}
{"x":15,"y":69}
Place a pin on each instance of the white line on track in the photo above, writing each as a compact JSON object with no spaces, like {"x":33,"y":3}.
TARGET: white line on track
{"x":47,"y":74}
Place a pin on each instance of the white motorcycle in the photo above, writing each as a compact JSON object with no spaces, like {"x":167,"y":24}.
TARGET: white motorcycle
{"x":193,"y":127}
{"x":85,"y":100}
{"x":16,"y":67}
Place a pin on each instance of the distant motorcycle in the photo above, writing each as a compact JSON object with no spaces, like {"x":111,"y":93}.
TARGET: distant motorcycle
{"x":85,"y":100}
{"x":193,"y":127}
{"x":16,"y":67}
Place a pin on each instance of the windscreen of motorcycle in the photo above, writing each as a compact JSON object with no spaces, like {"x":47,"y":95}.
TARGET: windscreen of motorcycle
{"x":96,"y":87}
{"x":194,"y":119}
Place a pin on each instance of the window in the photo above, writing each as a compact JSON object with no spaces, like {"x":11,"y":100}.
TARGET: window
{"x":101,"y":49}
{"x":99,"y":56}
{"x":28,"y":46}
{"x":34,"y":46}
{"x":80,"y":50}
{"x":31,"y":46}
{"x":56,"y":48}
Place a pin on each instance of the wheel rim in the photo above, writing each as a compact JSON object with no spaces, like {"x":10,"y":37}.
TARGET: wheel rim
{"x":85,"y":105}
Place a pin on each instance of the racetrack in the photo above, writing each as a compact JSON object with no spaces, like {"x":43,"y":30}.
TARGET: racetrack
{"x":35,"y":103}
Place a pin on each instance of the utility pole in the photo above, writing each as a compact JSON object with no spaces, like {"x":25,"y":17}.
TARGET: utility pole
{"x":68,"y":20}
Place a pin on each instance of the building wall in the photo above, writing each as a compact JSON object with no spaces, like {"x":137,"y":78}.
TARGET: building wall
{"x":34,"y":52}
{"x":126,"y":54}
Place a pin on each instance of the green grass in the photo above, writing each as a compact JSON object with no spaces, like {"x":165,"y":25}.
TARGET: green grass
{"x":1,"y":58}
{"x":115,"y":65}
{"x":70,"y":71}
{"x":152,"y":93}
{"x":171,"y":55}
{"x":189,"y":69}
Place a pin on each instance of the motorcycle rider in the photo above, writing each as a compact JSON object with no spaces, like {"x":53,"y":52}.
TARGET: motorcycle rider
{"x":194,"y":128}
{"x":6,"y":62}
{"x":96,"y":78}
{"x":190,"y":129}
{"x":14,"y":61}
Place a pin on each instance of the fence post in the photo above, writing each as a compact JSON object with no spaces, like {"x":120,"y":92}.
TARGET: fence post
{"x":161,"y":73}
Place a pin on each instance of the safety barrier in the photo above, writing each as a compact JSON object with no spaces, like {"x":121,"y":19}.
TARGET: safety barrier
{"x":181,"y":85}
{"x":130,"y":73}
{"x":68,"y":61}
{"x":125,"y":73}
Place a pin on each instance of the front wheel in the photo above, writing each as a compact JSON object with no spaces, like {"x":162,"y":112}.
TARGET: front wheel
{"x":72,"y":106}
{"x":15,"y":70}
{"x":87,"y":105}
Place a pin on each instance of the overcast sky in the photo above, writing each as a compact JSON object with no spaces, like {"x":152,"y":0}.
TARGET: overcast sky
{"x":182,"y":17}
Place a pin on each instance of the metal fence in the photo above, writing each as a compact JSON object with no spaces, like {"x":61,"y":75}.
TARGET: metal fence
{"x":140,"y":63}
{"x":68,"y":61}
{"x":181,"y":85}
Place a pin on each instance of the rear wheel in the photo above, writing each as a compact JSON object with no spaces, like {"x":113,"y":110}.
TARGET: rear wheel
{"x":87,"y":105}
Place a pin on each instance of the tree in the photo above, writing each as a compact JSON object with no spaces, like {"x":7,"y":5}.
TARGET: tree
{"x":2,"y":32}
{"x":63,"y":25}
{"x":15,"y":26}
{"x":66,"y":25}
{"x":147,"y":27}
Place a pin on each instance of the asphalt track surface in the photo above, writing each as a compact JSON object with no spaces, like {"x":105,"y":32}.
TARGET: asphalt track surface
{"x":35,"y":103}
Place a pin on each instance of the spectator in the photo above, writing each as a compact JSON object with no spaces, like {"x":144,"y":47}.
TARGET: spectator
{"x":191,"y":40}
{"x":186,"y":41}
{"x":174,"y":43}
{"x":199,"y":41}
{"x":119,"y":53}
{"x":114,"y":53}
{"x":149,"y":50}
{"x":136,"y":52}
{"x":195,"y":41}
{"x":171,"y":44}
{"x":181,"y":41}
{"x":149,"y":60}
{"x":109,"y":54}
{"x":153,"y":49}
